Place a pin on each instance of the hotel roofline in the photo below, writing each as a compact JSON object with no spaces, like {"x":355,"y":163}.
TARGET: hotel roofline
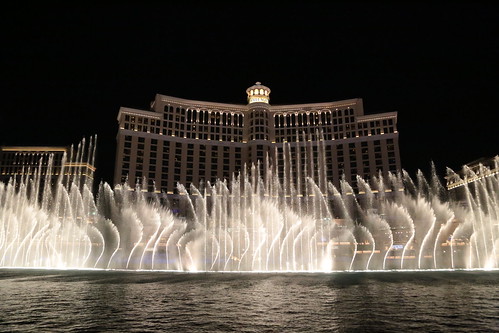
{"x":34,"y":148}
{"x":244,"y":107}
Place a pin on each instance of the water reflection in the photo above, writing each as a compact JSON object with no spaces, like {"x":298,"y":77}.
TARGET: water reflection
{"x":342,"y":302}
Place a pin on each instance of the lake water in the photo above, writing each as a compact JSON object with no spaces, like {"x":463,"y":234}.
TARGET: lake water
{"x":125,"y":301}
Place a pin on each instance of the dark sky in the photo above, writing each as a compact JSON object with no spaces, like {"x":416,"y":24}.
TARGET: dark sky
{"x":66,"y":71}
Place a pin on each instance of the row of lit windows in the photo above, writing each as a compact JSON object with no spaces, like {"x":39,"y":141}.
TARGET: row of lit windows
{"x":200,"y":128}
{"x":141,"y":124}
{"x":236,"y":136}
{"x":210,"y":132}
{"x":261,"y":133}
{"x":313,"y":118}
{"x":290,"y":135}
{"x":142,"y":120}
{"x":293,"y":119}
{"x":377,"y":123}
{"x":259,"y":92}
{"x":204,"y":116}
{"x":29,"y":158}
{"x":330,"y":117}
{"x":212,"y":137}
{"x":141,"y":128}
{"x":189,"y":131}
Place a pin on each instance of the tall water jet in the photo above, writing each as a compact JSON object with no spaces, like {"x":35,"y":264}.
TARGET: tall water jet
{"x":255,"y":222}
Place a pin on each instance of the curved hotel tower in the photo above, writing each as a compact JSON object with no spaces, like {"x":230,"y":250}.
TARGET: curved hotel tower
{"x":191,"y":142}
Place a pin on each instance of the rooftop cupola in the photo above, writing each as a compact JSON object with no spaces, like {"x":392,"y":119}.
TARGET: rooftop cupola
{"x":258,"y":93}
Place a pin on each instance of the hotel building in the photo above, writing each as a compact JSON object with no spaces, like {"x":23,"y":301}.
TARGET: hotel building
{"x":52,"y":163}
{"x":473,"y":173}
{"x":190,"y":142}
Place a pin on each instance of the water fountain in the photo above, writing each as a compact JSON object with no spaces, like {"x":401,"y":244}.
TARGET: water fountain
{"x":254,"y":222}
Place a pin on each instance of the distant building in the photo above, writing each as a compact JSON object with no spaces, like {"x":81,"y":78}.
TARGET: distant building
{"x":53,"y":163}
{"x":470,"y":173}
{"x":190,"y":142}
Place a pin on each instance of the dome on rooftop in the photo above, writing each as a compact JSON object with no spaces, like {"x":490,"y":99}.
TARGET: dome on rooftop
{"x":258,"y":93}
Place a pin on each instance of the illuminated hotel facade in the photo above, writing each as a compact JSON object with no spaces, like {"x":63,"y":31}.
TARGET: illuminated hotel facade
{"x":191,"y":142}
{"x":472,"y":174}
{"x":55,"y":164}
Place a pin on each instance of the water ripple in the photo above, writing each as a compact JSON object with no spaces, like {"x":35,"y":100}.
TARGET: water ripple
{"x":76,"y":301}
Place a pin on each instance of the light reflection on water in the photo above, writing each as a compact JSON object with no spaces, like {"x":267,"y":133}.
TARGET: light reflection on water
{"x":441,"y":301}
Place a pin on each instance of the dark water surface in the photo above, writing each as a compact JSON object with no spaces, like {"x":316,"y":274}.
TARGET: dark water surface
{"x":120,"y":301}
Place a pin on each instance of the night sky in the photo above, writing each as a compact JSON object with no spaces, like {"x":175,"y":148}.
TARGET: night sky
{"x":66,"y":71}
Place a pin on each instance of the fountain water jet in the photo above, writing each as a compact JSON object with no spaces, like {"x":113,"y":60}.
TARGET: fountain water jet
{"x":256,"y":222}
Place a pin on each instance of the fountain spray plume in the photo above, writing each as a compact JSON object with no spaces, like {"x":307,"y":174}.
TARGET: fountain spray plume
{"x":270,"y":217}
